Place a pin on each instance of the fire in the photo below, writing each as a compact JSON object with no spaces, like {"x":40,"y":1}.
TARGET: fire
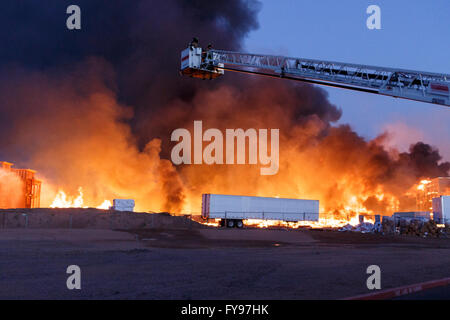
{"x":211,"y":223}
{"x":422,"y":184}
{"x":348,"y":174}
{"x":348,"y":214}
{"x":322,"y":223}
{"x":105,"y":205}
{"x":318,"y":160}
{"x":63,"y":201}
{"x":120,"y":143}
{"x":328,"y":222}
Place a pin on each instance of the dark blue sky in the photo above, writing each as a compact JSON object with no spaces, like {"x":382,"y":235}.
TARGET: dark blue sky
{"x":415,"y":35}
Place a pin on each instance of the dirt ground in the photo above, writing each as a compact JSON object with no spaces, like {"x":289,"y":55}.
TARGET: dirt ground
{"x":210,"y":263}
{"x":90,"y":218}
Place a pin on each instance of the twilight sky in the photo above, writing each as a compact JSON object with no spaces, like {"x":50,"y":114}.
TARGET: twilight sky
{"x":415,"y":35}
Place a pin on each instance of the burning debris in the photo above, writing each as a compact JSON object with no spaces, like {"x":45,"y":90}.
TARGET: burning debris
{"x":63,"y":201}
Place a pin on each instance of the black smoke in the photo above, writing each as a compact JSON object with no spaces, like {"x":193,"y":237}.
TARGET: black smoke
{"x":142,"y":40}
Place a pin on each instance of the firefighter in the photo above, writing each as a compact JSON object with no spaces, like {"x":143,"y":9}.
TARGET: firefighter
{"x":209,"y":56}
{"x":194,"y":43}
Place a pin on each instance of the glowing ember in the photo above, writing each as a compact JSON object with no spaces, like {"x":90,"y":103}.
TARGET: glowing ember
{"x":211,"y":222}
{"x":322,"y":223}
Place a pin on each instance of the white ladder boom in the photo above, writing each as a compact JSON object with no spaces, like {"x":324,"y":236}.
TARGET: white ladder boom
{"x":399,"y":83}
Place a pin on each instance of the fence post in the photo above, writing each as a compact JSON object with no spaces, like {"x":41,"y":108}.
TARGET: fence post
{"x":111,"y":218}
{"x":26,"y":219}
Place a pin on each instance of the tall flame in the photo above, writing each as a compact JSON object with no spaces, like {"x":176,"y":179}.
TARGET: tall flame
{"x":63,"y":201}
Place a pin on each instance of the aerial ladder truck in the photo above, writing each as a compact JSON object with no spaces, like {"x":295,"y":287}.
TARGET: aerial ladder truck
{"x":399,"y":83}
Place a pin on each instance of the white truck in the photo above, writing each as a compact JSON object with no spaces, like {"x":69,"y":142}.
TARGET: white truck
{"x":441,"y":209}
{"x":233,"y":210}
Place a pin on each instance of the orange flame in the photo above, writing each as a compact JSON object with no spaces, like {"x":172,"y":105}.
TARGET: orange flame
{"x":63,"y":201}
{"x":422,"y":184}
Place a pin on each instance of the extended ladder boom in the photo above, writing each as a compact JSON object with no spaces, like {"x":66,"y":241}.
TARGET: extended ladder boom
{"x":406,"y":84}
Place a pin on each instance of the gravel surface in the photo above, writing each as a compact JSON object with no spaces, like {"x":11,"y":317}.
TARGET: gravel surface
{"x":213,"y":264}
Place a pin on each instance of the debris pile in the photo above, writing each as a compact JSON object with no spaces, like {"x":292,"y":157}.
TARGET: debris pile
{"x":388,"y":226}
{"x":410,"y":227}
{"x":431,"y":229}
{"x":364,"y":227}
{"x":417,"y":227}
{"x":404,"y":226}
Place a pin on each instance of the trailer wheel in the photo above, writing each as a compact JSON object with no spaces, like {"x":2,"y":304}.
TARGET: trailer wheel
{"x":230,"y":223}
{"x":239,"y":224}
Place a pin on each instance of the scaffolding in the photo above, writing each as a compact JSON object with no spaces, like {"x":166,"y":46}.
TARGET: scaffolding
{"x":31,"y":191}
{"x":435,"y":188}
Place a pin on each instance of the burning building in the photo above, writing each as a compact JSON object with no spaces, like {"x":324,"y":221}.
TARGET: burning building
{"x":19,"y":188}
{"x":429,"y":189}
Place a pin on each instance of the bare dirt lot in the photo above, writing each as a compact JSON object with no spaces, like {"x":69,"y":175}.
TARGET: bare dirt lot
{"x":211,"y":263}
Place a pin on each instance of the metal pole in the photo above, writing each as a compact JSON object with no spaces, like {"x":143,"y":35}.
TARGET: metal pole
{"x":26,"y":219}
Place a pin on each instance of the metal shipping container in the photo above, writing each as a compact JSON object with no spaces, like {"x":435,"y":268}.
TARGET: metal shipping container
{"x":441,"y":209}
{"x":123,"y":205}
{"x":238,"y":208}
{"x":419,"y":215}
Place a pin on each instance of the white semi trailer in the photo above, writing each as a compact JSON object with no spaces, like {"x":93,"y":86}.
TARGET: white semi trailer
{"x":233,"y":210}
{"x":441,"y":209}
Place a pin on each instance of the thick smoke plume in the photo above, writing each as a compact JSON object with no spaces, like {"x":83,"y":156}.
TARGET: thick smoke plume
{"x":96,"y":108}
